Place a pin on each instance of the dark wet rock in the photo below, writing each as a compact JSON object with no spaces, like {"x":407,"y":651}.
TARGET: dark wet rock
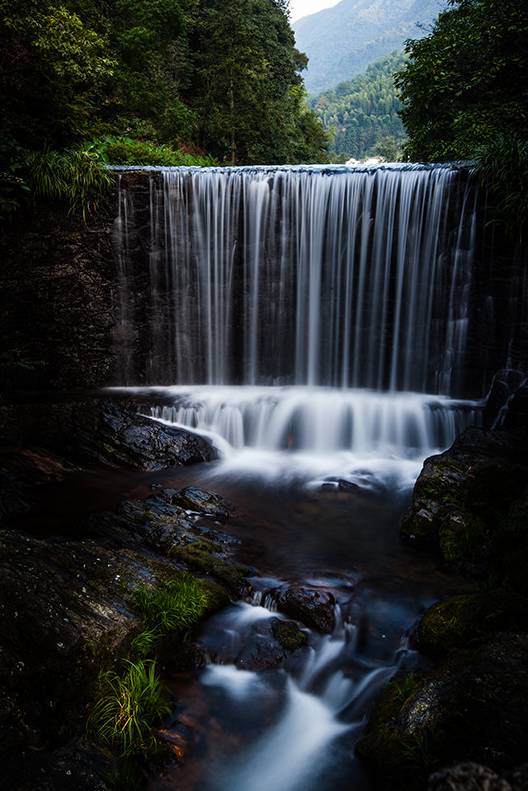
{"x":261,"y":649}
{"x":450,"y":624}
{"x":516,"y":412}
{"x":467,"y":777}
{"x":66,"y":610}
{"x":209,"y":558}
{"x":162,"y":526}
{"x":78,"y":766}
{"x":269,"y":643}
{"x":464,"y":499}
{"x":504,"y":385}
{"x":458,"y":620}
{"x":22,"y":471}
{"x":474,"y":705}
{"x":117,"y":435}
{"x":311,"y":606}
{"x":194,"y":499}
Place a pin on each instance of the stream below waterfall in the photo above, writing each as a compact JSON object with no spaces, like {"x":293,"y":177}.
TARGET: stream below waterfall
{"x":319,"y":479}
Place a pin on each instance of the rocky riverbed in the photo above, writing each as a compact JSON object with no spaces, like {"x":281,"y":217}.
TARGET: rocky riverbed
{"x":70,"y":575}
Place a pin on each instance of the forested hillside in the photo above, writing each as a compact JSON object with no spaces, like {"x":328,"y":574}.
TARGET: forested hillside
{"x":342,"y":41}
{"x":147,"y":81}
{"x":362,"y":115}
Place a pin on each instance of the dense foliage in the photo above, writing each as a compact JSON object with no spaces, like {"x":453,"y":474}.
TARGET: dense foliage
{"x":465,"y":94}
{"x":194,"y":77}
{"x":362,"y":115}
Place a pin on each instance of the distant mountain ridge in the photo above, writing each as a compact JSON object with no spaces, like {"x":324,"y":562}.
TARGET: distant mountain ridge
{"x":362,"y":113}
{"x":343,"y":40}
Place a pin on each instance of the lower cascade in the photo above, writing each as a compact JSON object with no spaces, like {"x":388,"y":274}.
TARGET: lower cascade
{"x":319,"y":434}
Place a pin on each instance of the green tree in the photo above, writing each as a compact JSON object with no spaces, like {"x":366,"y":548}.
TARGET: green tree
{"x":246,"y":88}
{"x":465,"y":95}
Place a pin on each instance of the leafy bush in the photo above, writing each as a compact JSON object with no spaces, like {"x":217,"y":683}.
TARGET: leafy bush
{"x":126,"y":151}
{"x":76,"y":177}
{"x":127,"y":706}
{"x":502,"y":168}
{"x":175,"y":605}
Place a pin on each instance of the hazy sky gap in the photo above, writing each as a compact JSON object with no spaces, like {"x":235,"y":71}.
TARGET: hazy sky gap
{"x":301,"y":8}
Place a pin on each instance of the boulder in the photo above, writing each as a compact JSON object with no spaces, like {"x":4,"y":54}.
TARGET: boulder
{"x":465,"y":499}
{"x":473,"y":705}
{"x":117,"y":435}
{"x":311,"y":606}
{"x":194,"y":499}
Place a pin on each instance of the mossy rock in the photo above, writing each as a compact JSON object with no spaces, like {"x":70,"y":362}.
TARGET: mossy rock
{"x":406,"y":731}
{"x":450,"y":624}
{"x":201,"y":555}
{"x":289,"y":635}
{"x":464,"y":539}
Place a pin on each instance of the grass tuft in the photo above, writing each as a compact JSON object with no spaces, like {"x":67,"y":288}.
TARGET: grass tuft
{"x":174,"y":606}
{"x":127,"y":707}
{"x":75,"y":177}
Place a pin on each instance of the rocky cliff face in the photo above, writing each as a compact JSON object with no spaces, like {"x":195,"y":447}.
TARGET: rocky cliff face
{"x":57,"y":288}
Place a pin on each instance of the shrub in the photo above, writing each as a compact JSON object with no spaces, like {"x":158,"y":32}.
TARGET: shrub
{"x":127,"y":706}
{"x":75,"y":177}
{"x":126,"y":151}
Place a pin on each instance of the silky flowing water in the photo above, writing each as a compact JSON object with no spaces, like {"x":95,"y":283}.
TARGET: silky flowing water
{"x":313,"y":324}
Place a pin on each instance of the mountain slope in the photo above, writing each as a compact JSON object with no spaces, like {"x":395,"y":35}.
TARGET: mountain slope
{"x":362,"y":114}
{"x":343,"y":40}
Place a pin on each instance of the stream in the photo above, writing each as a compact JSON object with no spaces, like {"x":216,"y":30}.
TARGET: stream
{"x":317,"y":503}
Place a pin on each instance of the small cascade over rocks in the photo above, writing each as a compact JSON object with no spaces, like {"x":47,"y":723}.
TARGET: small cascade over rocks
{"x":322,"y":698}
{"x":333,"y":276}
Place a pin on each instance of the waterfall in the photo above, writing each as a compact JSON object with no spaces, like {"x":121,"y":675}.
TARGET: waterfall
{"x":322,"y":276}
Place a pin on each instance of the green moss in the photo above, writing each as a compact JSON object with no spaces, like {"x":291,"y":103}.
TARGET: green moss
{"x":450,"y":624}
{"x":200,"y":555}
{"x":463,"y":537}
{"x":127,"y":706}
{"x":289,"y":635}
{"x":391,"y":748}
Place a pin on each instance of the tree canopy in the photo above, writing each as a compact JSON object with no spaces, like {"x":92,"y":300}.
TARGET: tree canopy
{"x":464,"y":90}
{"x":467,"y":82}
{"x":219,"y":77}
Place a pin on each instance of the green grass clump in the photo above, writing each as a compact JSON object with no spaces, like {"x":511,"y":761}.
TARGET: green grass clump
{"x":76,"y":178}
{"x":174,"y":606}
{"x":127,"y":707}
{"x":144,"y":643}
{"x":126,"y":151}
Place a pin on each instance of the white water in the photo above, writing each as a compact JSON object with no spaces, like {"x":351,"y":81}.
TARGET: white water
{"x":298,"y":275}
{"x":318,"y":434}
{"x":316,"y":704}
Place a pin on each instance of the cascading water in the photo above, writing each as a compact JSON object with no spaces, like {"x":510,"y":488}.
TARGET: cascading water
{"x":339,"y":277}
{"x":301,"y":319}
